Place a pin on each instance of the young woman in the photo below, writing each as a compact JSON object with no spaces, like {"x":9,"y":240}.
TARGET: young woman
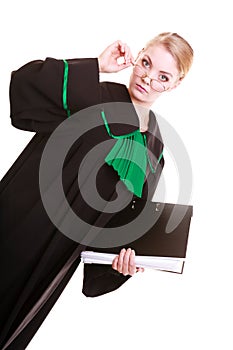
{"x":37,"y":258}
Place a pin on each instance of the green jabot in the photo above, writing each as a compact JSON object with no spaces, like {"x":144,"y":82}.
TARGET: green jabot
{"x":129,"y":157}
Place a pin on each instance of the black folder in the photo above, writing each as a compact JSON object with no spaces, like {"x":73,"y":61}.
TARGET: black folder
{"x":166,"y":240}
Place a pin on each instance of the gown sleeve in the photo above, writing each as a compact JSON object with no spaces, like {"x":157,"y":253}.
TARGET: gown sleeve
{"x":45,"y":93}
{"x":101,"y":279}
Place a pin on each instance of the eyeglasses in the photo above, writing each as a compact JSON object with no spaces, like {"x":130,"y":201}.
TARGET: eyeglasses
{"x":154,"y":83}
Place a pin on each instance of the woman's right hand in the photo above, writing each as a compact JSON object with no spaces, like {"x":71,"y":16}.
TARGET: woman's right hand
{"x":115,"y":57}
{"x":125,"y":262}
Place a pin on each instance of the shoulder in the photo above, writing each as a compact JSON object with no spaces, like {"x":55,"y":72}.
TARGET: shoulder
{"x":112,"y":85}
{"x":114,"y":92}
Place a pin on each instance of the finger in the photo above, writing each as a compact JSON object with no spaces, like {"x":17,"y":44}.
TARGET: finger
{"x":140,"y":269}
{"x":117,"y":46}
{"x":121,"y":47}
{"x":124,"y":62}
{"x":125,"y":52}
{"x":115,"y":262}
{"x":122,"y":65}
{"x":128,"y":55}
{"x":120,"y":260}
{"x":132,"y":266}
{"x":125,"y":267}
{"x":116,"y":49}
{"x":125,"y":58}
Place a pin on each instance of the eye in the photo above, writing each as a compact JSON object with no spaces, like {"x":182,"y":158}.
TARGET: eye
{"x":163,"y":78}
{"x":145,"y":63}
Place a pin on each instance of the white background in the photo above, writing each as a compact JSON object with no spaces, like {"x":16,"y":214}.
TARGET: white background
{"x":153,"y":310}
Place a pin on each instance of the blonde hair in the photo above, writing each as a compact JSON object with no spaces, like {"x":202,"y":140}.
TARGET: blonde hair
{"x":178,"y":47}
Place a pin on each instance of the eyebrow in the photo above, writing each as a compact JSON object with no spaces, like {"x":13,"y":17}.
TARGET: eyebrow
{"x":163,"y":72}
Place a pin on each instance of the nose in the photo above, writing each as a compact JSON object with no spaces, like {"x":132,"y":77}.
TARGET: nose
{"x":146,"y":80}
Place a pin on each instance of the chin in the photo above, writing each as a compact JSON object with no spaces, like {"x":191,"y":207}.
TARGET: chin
{"x":142,"y":99}
{"x":138,"y":99}
{"x":137,"y":96}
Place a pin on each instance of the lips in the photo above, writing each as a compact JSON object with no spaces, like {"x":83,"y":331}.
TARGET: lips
{"x":141,"y":88}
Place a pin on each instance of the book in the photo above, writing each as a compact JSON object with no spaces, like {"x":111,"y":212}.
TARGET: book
{"x":162,"y":247}
{"x":152,"y":262}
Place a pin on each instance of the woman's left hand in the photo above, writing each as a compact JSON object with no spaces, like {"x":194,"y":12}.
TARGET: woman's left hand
{"x":125,"y":262}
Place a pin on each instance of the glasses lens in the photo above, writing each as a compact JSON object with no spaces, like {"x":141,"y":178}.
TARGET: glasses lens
{"x":157,"y":86}
{"x":139,"y":71}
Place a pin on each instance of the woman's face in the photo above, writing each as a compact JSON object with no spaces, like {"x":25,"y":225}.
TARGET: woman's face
{"x":155,"y":71}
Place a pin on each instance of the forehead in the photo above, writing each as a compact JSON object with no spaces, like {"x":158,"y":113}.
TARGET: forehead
{"x":161,"y":58}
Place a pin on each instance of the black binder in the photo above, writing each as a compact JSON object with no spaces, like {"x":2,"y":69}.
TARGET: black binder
{"x":167,"y":238}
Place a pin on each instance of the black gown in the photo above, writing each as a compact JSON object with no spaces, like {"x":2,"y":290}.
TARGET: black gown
{"x":37,"y":260}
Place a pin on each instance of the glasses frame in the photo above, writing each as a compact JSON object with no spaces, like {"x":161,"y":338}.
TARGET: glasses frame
{"x":151,"y":79}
